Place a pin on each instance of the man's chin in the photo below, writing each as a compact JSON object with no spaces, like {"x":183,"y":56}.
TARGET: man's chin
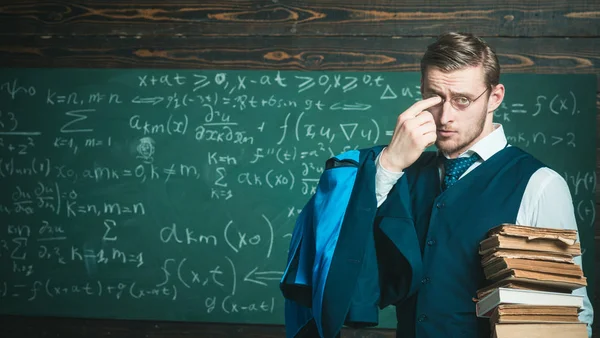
{"x":446,"y":147}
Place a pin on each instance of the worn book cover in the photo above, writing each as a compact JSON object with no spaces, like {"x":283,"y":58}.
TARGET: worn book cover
{"x":486,"y":305}
{"x":498,"y":241}
{"x":515,"y":284}
{"x":561,"y":281}
{"x":540,"y":330}
{"x":502,"y":264}
{"x":527,"y":254}
{"x":567,"y":236}
{"x":524,"y":313}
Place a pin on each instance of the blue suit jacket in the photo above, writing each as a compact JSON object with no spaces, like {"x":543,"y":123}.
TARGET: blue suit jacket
{"x":329,"y":278}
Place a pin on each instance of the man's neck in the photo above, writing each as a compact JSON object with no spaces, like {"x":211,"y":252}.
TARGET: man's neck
{"x":488,"y":138}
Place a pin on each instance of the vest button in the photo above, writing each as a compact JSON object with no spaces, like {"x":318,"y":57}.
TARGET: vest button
{"x":431,"y":242}
{"x":422,"y":318}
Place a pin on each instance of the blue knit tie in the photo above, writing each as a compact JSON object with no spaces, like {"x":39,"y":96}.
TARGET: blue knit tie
{"x":454,"y":168}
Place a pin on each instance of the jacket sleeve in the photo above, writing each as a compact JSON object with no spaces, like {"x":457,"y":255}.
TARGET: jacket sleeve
{"x":364,"y":311}
{"x":351,"y":291}
{"x":397,"y":245}
{"x":312,"y":247}
{"x":331,"y":277}
{"x":296,"y":282}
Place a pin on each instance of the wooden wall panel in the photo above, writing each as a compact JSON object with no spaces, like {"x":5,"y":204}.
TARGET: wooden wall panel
{"x":554,"y":36}
{"x":296,"y":18}
{"x":541,"y":55}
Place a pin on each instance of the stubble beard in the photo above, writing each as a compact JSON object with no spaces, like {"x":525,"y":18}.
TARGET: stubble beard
{"x":461,"y":144}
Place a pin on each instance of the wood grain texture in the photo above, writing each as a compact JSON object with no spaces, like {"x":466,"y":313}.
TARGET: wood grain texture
{"x":512,"y":18}
{"x":29,"y":327}
{"x":541,"y":55}
{"x":384,"y":35}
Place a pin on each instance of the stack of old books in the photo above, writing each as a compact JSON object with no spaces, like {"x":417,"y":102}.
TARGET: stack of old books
{"x":531,"y":275}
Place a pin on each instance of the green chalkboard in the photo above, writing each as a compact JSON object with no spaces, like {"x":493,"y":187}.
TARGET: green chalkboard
{"x":172,"y":194}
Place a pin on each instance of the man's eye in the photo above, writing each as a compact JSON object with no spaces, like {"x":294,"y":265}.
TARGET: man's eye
{"x":463,"y":101}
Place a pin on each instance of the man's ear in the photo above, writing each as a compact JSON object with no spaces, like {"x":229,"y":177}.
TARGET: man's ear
{"x":496,"y":98}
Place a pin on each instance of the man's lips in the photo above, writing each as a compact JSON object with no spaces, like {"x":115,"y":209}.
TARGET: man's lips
{"x":445,"y":132}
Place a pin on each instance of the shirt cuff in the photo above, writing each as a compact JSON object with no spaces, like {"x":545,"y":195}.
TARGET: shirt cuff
{"x":384,"y":180}
{"x":392,"y":175}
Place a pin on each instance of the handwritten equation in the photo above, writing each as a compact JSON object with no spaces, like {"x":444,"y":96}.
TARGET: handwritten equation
{"x":179,"y":189}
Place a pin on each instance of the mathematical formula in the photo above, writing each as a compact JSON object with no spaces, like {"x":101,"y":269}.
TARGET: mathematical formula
{"x":174,"y":186}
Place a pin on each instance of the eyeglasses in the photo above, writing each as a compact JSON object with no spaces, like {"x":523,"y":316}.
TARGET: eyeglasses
{"x":459,"y":102}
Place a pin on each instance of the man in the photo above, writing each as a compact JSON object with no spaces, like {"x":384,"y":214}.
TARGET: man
{"x":455,"y":203}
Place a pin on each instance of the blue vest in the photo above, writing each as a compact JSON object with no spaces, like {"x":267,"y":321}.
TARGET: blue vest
{"x":418,"y":251}
{"x":449,"y":226}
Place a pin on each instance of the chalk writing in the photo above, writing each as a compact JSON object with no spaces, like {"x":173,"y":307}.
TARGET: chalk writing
{"x":171,"y":190}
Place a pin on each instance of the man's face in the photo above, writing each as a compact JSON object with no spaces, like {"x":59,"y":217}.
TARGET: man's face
{"x":458,"y":129}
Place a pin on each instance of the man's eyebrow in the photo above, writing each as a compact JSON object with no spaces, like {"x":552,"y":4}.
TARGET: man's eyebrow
{"x":452,"y":93}
{"x":431,"y":90}
{"x":469,"y":95}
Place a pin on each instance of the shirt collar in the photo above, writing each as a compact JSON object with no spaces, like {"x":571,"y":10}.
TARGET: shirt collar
{"x":487,"y":146}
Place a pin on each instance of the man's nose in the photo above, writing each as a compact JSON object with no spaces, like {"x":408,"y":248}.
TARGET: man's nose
{"x":447,"y":113}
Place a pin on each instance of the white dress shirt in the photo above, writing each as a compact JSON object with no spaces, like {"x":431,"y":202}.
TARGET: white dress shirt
{"x":546,"y":201}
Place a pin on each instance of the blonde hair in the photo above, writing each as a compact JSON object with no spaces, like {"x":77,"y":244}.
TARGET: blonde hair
{"x":454,"y":51}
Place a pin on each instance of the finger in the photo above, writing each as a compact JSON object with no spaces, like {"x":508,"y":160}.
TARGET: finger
{"x":427,"y":128}
{"x":425,"y":112}
{"x":419,"y":106}
{"x":419,"y":120}
{"x":426,"y":116}
{"x":431,"y":142}
{"x":410,"y":113}
{"x":430,"y":138}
